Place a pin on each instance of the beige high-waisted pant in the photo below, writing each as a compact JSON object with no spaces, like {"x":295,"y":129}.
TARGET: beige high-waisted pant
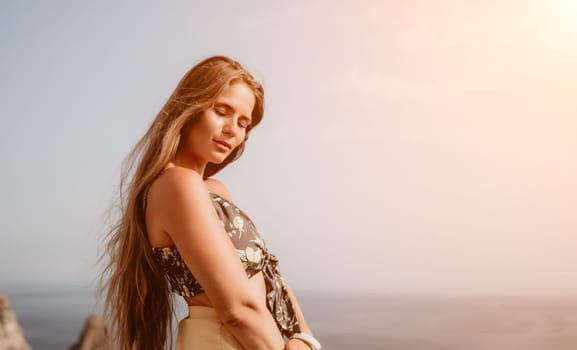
{"x":202,"y":330}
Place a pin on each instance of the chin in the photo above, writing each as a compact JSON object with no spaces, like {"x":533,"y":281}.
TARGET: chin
{"x":219,"y":160}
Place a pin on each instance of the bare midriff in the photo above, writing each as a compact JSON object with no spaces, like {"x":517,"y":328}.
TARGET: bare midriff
{"x":256,"y":285}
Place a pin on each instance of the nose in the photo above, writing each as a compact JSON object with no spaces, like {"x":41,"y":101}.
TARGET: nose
{"x":230,"y":127}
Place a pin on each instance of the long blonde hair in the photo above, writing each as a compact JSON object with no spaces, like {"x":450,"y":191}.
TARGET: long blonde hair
{"x":138,"y":304}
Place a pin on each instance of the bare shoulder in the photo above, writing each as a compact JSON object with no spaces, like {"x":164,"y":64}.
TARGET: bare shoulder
{"x":175,"y":189}
{"x":216,"y":186}
{"x":177,"y":181}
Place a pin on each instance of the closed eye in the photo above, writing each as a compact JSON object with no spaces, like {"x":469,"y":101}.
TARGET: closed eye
{"x":244,"y":124}
{"x":223,"y":109}
{"x":220,"y":111}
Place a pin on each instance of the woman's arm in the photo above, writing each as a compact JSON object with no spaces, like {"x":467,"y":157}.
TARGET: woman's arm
{"x":297,"y":344}
{"x":299,"y":314}
{"x":189,"y":218}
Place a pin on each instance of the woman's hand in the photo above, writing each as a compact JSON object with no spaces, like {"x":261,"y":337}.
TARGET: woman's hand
{"x":296,"y":344}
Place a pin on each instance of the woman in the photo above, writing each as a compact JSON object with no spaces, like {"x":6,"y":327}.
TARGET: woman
{"x":181,"y":232}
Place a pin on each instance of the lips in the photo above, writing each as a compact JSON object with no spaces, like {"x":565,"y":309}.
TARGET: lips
{"x":224,"y":143}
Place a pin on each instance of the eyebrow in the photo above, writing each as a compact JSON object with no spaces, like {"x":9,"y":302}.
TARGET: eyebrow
{"x":230,"y":108}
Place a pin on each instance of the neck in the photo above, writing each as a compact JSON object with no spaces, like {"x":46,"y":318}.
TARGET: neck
{"x":189,"y":162}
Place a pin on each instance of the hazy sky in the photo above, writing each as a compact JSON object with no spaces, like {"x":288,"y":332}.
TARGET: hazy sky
{"x":407,"y":146}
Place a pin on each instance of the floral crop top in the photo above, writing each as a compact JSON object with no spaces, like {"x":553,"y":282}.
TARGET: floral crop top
{"x":254,"y":256}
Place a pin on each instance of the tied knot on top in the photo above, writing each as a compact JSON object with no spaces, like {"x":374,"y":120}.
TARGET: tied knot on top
{"x":278,"y":300}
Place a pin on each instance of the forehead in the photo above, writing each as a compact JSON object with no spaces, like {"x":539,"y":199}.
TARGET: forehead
{"x":239,"y":96}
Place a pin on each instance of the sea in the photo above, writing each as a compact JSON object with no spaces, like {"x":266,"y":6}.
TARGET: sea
{"x":54,"y":319}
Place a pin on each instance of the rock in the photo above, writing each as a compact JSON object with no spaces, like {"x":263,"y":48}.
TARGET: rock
{"x":11,"y":336}
{"x":93,"y":337}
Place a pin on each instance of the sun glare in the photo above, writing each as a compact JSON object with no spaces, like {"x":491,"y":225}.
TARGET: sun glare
{"x":561,"y":22}
{"x":566,"y":14}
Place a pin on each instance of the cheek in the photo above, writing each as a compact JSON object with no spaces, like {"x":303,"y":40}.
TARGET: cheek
{"x":202,"y":130}
{"x":241,"y":138}
{"x":193,"y":138}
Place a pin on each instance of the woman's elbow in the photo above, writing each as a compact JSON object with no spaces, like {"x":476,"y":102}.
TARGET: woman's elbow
{"x":241,"y":313}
